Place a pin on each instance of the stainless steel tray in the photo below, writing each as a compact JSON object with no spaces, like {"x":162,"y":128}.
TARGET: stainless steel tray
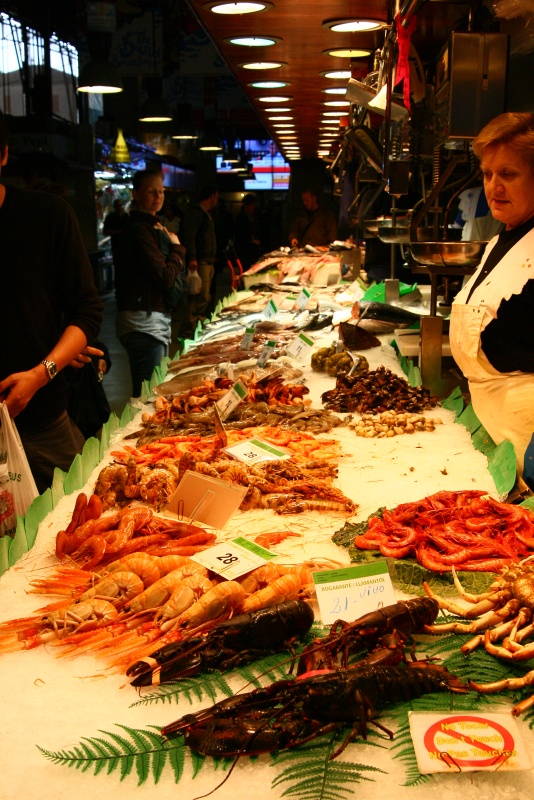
{"x":448,"y":255}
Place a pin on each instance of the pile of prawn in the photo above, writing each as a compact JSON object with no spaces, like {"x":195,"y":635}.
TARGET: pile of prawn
{"x":466,"y":530}
{"x":273,"y":391}
{"x":91,"y":539}
{"x":152,"y":472}
{"x":124,"y":611}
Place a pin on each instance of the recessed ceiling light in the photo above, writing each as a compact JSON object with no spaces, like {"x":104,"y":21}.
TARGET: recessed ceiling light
{"x":276,"y":110}
{"x":327,"y":135}
{"x":274,"y":99}
{"x":336,"y":103}
{"x":337,"y":114}
{"x":269,"y":84}
{"x":353,"y":25}
{"x":254,"y":41}
{"x":335,"y":90}
{"x":284,"y":125}
{"x":263,"y":65}
{"x":241,"y":7}
{"x":279,"y":119}
{"x":347,"y":52}
{"x":337,"y":74}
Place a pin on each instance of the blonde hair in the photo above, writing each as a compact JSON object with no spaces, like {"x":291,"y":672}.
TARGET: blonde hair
{"x":514,"y":129}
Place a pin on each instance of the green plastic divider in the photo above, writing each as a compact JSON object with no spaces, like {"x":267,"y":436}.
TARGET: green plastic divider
{"x":74,"y":479}
{"x":454,"y":402}
{"x":5,"y":544}
{"x":35,"y":514}
{"x":502,"y":467}
{"x":19,"y":544}
{"x":469,"y":419}
{"x":376,"y":293}
{"x":58,"y":486}
{"x":528,"y":503}
{"x":483,"y":441}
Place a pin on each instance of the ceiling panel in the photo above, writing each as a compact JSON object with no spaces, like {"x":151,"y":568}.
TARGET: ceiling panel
{"x":303,"y":42}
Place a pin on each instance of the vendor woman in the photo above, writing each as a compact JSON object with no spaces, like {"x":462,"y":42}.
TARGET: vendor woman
{"x":492,"y":323}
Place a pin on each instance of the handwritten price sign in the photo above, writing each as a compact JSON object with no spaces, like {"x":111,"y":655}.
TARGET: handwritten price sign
{"x":350,"y":592}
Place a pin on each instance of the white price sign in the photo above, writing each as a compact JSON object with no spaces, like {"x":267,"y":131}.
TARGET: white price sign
{"x":254,"y":451}
{"x":266,"y":353}
{"x":349,"y":592}
{"x":234,"y":558}
{"x":231,"y":399}
{"x":270,"y":310}
{"x":467,"y":741}
{"x":246,"y":341}
{"x":302,"y":299}
{"x":300,"y":346}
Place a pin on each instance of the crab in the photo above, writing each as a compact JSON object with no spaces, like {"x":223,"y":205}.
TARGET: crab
{"x":504,"y":614}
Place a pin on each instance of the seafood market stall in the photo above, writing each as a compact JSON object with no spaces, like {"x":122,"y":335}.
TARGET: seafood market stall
{"x":73,"y":723}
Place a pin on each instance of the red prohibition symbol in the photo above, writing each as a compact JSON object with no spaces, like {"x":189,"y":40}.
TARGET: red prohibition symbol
{"x":494,"y":753}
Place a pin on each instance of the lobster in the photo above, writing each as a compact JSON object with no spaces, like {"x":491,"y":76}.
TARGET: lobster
{"x":291,"y":712}
{"x":233,"y":642}
{"x":389,"y":628}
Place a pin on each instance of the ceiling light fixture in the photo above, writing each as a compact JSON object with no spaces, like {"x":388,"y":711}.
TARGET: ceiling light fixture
{"x":274,"y":99}
{"x":353,"y":25}
{"x":284,"y":125}
{"x":254,"y":41}
{"x":211,"y":141}
{"x":269,"y":84}
{"x":155,"y":109}
{"x":240,"y":7}
{"x":337,"y":74}
{"x":335,"y":90}
{"x":337,"y":103}
{"x":279,"y":119}
{"x":347,"y":52}
{"x":337,"y":114}
{"x":263,"y":65}
{"x":99,"y":77}
{"x":276,"y":110}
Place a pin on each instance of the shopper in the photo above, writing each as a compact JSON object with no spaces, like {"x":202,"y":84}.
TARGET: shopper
{"x":114,"y":223}
{"x":247,"y":238}
{"x":50,"y":310}
{"x":200,"y":242}
{"x":149,"y":259}
{"x":491,"y":332}
{"x":314,"y":225}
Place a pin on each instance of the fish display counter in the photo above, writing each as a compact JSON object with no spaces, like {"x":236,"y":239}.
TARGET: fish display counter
{"x":74,"y":723}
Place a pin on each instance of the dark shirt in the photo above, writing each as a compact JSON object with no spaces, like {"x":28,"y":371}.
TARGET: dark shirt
{"x":146,"y":263}
{"x":317,"y":227}
{"x":508,"y":340}
{"x":47,"y":284}
{"x":198,"y":235}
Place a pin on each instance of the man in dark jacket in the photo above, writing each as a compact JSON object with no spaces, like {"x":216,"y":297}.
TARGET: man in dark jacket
{"x":50,"y":311}
{"x":200,"y":242}
{"x":315,"y":225}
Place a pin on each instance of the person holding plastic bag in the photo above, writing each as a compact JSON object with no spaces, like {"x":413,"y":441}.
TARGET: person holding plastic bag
{"x":50,"y":310}
{"x":17,"y":486}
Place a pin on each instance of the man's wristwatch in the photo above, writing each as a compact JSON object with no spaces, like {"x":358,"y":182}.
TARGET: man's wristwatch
{"x":51,"y":368}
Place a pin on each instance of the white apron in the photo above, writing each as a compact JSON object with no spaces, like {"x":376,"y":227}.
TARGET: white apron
{"x":503,"y":402}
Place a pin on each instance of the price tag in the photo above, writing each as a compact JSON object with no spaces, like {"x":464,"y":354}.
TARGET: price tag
{"x":302,"y":299}
{"x":349,"y":592}
{"x":255,"y":450}
{"x":270,"y":310}
{"x":300,"y":346}
{"x":231,"y":399}
{"x":246,"y":341}
{"x":220,"y":430}
{"x":234,"y":558}
{"x":266,"y":353}
{"x":467,"y":742}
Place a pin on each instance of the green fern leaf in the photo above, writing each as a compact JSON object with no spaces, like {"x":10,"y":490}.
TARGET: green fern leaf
{"x":177,"y":758}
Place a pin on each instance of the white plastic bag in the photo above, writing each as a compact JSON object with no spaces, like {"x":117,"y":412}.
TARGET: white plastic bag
{"x":17,"y":486}
{"x":194,"y":281}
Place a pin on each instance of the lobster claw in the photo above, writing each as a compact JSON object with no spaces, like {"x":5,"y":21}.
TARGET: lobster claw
{"x":173,"y":661}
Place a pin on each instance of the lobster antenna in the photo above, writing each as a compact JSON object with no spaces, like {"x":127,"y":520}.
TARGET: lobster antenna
{"x":201,"y":796}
